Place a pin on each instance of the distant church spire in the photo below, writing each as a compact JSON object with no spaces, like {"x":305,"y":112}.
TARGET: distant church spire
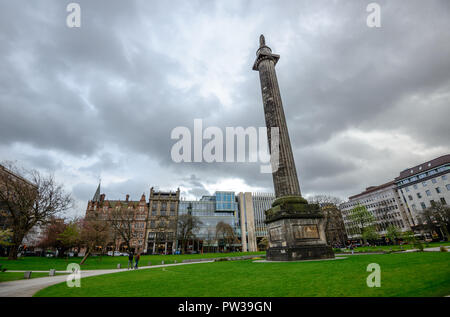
{"x":97,"y":194}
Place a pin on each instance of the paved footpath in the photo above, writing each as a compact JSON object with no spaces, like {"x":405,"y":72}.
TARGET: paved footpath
{"x":27,"y":288}
{"x":434,"y":249}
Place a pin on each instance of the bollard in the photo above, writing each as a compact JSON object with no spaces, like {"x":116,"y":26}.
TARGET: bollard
{"x":149,"y":263}
{"x":118,"y":266}
{"x":27,"y":275}
{"x":162,"y":262}
{"x":52,"y":272}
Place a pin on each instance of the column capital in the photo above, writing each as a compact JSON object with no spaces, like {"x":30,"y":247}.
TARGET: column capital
{"x":264,"y":52}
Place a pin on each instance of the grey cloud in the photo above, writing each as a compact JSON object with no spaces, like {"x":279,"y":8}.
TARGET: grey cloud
{"x":136,"y":70}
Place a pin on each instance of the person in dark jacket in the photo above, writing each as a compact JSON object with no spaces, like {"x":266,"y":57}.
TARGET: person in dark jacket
{"x":130,"y":260}
{"x":136,"y":260}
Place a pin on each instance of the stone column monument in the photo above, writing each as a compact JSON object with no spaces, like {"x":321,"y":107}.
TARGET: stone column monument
{"x":296,"y":228}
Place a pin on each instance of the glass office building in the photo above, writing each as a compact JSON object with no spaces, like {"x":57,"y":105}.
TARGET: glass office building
{"x":211,"y":210}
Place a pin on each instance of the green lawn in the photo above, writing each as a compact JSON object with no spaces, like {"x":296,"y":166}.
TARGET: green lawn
{"x":13,"y":276}
{"x":393,"y":247}
{"x":103,"y":262}
{"x":408,"y":274}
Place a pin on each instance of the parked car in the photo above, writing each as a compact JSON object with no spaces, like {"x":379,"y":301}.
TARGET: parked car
{"x":117,"y":253}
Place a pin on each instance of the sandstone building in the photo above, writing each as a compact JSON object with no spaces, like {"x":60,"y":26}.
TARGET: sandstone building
{"x":162,"y":221}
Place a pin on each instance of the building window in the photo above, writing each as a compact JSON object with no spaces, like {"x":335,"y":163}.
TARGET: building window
{"x":447,"y":186}
{"x":413,"y":207}
{"x":433,"y":180}
{"x":407,"y":189}
{"x":428,"y":192}
{"x":415,"y":186}
{"x":423,"y":205}
{"x":419,"y":195}
{"x":424,"y":184}
{"x":443,"y":201}
{"x":444,"y":177}
{"x":438,"y":190}
{"x":410,"y":197}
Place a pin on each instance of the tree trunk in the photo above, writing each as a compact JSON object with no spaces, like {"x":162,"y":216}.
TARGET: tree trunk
{"x":13,"y":252}
{"x":17,"y":240}
{"x":88,"y":251}
{"x":183,"y":246}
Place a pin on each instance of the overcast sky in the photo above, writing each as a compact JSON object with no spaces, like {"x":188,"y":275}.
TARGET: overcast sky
{"x":100,"y":101}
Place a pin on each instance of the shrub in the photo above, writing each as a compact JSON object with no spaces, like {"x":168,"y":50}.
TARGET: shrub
{"x":418,"y":245}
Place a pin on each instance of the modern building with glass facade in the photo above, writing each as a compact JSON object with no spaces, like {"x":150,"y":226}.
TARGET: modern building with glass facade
{"x":220,"y":207}
{"x":243,"y":212}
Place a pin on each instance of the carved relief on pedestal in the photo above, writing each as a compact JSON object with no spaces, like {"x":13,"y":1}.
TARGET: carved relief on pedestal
{"x":306,"y":232}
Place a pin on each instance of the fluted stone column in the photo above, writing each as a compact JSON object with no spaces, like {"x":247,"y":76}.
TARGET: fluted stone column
{"x":285,"y":178}
{"x":296,"y":228}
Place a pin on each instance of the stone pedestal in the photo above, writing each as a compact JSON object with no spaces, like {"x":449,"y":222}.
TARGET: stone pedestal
{"x":296,"y":231}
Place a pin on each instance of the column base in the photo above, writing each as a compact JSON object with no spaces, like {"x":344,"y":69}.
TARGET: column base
{"x":298,"y":253}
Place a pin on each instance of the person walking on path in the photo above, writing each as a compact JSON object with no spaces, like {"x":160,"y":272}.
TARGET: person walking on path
{"x":130,"y":260}
{"x":136,"y":260}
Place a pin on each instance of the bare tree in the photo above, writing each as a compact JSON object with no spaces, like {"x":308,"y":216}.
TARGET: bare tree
{"x":187,"y":226}
{"x":28,"y":199}
{"x":121,"y":221}
{"x":436,"y":218}
{"x":226,"y":234}
{"x":50,"y":238}
{"x":210,"y":238}
{"x":333,"y":222}
{"x":95,"y":232}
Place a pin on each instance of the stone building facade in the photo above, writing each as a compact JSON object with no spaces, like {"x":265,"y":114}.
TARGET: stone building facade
{"x":334,"y":225}
{"x":162,"y":221}
{"x":103,"y":209}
